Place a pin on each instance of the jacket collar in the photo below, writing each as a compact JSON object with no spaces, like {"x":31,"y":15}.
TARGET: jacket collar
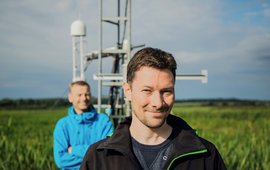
{"x":121,"y":139}
{"x":85,"y":117}
{"x":185,"y":141}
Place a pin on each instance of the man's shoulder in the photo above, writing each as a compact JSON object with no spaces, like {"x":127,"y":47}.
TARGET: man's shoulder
{"x":214,"y":154}
{"x":208,"y":144}
{"x":62,"y":121}
{"x":103,"y":116}
{"x":178,"y":122}
{"x":99,"y":145}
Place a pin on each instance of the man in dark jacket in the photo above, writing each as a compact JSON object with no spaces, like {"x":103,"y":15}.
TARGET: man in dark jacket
{"x":152,"y":139}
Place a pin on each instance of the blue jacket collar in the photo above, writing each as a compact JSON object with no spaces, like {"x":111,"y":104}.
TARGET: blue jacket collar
{"x":85,"y":117}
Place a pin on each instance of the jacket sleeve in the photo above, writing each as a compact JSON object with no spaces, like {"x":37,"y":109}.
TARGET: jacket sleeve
{"x":62,"y":158}
{"x":106,"y":129}
{"x":91,"y":159}
{"x":79,"y":150}
{"x":85,"y":163}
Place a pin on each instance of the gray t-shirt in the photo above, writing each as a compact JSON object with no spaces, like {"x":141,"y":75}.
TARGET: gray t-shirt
{"x":152,"y":157}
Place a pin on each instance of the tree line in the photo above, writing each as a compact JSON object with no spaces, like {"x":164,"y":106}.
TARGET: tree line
{"x":7,"y":103}
{"x":226,"y":102}
{"x":48,"y":103}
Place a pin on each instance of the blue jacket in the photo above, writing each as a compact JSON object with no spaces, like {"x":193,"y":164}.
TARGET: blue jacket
{"x":78,"y":131}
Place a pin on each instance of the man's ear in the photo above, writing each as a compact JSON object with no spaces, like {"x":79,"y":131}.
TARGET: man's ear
{"x":70,"y":98}
{"x":127,"y":90}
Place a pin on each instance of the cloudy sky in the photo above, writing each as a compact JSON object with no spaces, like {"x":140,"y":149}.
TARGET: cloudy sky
{"x":230,"y":39}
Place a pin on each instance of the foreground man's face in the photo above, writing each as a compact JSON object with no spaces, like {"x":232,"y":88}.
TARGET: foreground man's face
{"x":152,"y":96}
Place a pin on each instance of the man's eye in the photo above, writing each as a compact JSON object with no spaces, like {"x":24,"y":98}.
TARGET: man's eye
{"x":167,"y":93}
{"x":146,"y":91}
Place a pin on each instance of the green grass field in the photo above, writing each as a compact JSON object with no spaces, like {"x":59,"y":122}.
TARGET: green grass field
{"x":240,"y":133}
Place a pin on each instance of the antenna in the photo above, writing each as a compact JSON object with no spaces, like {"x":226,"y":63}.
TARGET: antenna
{"x":78,"y":32}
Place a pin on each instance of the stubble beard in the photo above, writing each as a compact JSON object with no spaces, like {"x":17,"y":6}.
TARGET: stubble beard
{"x":155,"y":126}
{"x":148,"y":122}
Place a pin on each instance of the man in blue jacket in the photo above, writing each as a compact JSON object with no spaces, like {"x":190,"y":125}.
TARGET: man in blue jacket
{"x":82,"y":126}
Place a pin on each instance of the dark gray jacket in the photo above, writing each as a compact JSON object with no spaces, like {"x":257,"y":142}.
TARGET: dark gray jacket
{"x":190,"y":151}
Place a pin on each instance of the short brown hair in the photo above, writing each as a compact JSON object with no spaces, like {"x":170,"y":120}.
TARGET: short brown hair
{"x":150,"y":57}
{"x":80,"y":83}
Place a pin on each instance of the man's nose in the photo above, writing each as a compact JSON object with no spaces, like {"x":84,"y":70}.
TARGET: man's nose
{"x":84,"y":97}
{"x":157,"y":100}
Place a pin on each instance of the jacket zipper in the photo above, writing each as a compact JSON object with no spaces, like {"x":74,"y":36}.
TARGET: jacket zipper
{"x":186,"y":154}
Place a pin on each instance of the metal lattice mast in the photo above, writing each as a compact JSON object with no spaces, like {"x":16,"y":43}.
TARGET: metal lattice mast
{"x":121,"y":52}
